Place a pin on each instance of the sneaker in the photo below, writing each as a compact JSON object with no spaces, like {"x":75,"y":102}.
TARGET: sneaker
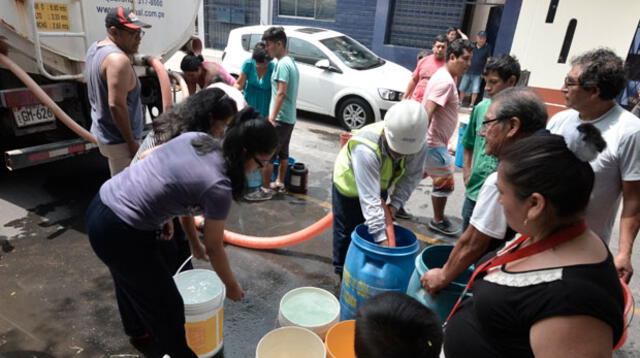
{"x":403,"y":214}
{"x":278,"y":187}
{"x":259,"y":195}
{"x":444,"y":227}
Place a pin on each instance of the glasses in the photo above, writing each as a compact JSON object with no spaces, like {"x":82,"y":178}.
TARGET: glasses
{"x":568,"y":82}
{"x":261,"y":163}
{"x":483,"y":125}
{"x":138,"y":34}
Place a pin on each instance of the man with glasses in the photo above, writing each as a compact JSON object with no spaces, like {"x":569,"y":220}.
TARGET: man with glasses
{"x":113,"y":88}
{"x":590,"y":89}
{"x":515,"y":113}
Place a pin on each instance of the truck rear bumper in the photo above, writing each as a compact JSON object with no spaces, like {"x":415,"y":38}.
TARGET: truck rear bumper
{"x":40,"y":154}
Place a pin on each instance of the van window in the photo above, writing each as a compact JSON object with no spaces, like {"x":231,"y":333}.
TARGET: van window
{"x":249,"y":41}
{"x":304,"y":52}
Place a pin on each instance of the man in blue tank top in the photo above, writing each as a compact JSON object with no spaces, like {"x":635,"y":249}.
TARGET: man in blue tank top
{"x":114,"y":89}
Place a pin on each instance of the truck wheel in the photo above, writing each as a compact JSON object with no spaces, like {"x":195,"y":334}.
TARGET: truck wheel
{"x":354,"y":113}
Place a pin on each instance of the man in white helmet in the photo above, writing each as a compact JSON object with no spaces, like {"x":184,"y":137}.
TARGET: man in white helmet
{"x":379,"y":156}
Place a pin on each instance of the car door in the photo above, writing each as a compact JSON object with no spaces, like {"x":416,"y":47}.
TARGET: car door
{"x":317,"y":86}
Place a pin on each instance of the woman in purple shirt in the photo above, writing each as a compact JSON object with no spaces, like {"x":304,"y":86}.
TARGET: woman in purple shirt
{"x":192,"y":174}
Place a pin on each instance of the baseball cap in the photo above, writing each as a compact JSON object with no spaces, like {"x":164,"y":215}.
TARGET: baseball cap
{"x":119,"y":17}
{"x":405,"y":127}
{"x":482,"y":33}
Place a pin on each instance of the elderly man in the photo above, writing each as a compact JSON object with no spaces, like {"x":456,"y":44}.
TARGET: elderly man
{"x":114,"y":89}
{"x":515,"y":113}
{"x":590,"y":88}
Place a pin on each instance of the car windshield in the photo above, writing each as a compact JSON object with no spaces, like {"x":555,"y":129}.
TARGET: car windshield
{"x":352,"y":53}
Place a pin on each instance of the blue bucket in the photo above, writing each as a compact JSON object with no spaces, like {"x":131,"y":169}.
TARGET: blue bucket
{"x":276,"y":166}
{"x":460,"y":149}
{"x":435,"y":257}
{"x":371,"y":269}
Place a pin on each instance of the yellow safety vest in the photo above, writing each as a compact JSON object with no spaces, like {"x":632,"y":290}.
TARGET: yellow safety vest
{"x":371,"y":136}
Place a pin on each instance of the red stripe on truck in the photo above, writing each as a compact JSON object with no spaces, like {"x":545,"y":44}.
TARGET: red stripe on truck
{"x":76,"y":148}
{"x":38,"y":156}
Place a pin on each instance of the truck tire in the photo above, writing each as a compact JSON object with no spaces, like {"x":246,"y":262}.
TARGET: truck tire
{"x":354,"y":113}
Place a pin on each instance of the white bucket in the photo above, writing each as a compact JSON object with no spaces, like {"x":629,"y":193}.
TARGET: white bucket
{"x":291,"y":342}
{"x":203,"y":294}
{"x":309,"y":307}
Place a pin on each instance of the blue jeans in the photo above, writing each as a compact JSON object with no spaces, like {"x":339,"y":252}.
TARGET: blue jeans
{"x":470,"y":82}
{"x":467,"y":211}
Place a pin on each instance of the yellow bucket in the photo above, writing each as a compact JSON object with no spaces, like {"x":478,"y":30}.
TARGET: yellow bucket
{"x":340,"y":340}
{"x":203,"y":294}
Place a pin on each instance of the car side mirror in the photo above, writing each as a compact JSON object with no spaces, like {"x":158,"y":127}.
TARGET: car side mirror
{"x":326,"y":65}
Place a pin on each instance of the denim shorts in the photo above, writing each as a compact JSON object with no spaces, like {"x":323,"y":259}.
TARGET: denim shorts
{"x":470,"y":82}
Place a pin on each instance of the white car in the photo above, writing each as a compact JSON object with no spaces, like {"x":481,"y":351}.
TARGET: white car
{"x":339,"y":77}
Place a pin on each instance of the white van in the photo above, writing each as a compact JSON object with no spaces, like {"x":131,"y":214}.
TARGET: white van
{"x":339,"y":77}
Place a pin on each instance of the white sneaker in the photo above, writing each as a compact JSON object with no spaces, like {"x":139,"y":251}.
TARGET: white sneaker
{"x":278,"y":187}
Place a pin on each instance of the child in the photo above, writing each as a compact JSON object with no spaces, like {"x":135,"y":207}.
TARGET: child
{"x":393,"y":324}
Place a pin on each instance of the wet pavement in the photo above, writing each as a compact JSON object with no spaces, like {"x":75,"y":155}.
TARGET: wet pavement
{"x":57,"y":299}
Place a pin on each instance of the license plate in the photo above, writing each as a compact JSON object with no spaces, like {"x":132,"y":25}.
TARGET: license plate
{"x":30,"y":115}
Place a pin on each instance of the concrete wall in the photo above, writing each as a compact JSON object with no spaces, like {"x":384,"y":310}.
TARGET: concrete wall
{"x":599,"y":24}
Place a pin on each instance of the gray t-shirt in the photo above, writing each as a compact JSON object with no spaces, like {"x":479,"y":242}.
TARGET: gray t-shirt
{"x":172,"y":181}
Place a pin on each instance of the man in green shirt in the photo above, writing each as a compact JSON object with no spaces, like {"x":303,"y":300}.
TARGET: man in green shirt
{"x":282,"y":109}
{"x":500,"y":72}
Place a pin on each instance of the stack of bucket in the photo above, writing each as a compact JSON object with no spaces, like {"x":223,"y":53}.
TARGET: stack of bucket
{"x":307,"y":315}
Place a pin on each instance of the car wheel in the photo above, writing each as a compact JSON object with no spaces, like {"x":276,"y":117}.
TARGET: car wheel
{"x":354,"y":113}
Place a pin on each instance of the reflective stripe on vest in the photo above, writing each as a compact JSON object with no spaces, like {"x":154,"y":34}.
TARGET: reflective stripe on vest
{"x":371,"y":136}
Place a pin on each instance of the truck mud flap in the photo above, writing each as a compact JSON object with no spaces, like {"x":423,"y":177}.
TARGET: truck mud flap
{"x":40,"y":154}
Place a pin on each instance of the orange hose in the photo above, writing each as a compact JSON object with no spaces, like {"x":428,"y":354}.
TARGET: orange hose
{"x":46,"y":100}
{"x":165,"y":83}
{"x":274,"y":242}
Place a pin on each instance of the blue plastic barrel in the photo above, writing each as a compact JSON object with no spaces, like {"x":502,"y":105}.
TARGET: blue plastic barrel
{"x":435,"y":257}
{"x":460,"y":149}
{"x":276,"y":165}
{"x":371,"y":269}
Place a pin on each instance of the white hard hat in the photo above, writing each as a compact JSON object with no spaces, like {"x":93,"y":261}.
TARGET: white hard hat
{"x":405,"y":127}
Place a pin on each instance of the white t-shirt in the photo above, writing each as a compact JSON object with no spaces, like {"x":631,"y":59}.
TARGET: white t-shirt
{"x":488,"y":215}
{"x":618,"y":162}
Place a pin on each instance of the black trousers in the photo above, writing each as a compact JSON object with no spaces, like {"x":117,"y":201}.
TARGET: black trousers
{"x":148,"y":299}
{"x":347,"y":214}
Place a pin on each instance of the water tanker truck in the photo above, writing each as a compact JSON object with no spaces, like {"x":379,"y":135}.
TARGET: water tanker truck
{"x":49,"y":39}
